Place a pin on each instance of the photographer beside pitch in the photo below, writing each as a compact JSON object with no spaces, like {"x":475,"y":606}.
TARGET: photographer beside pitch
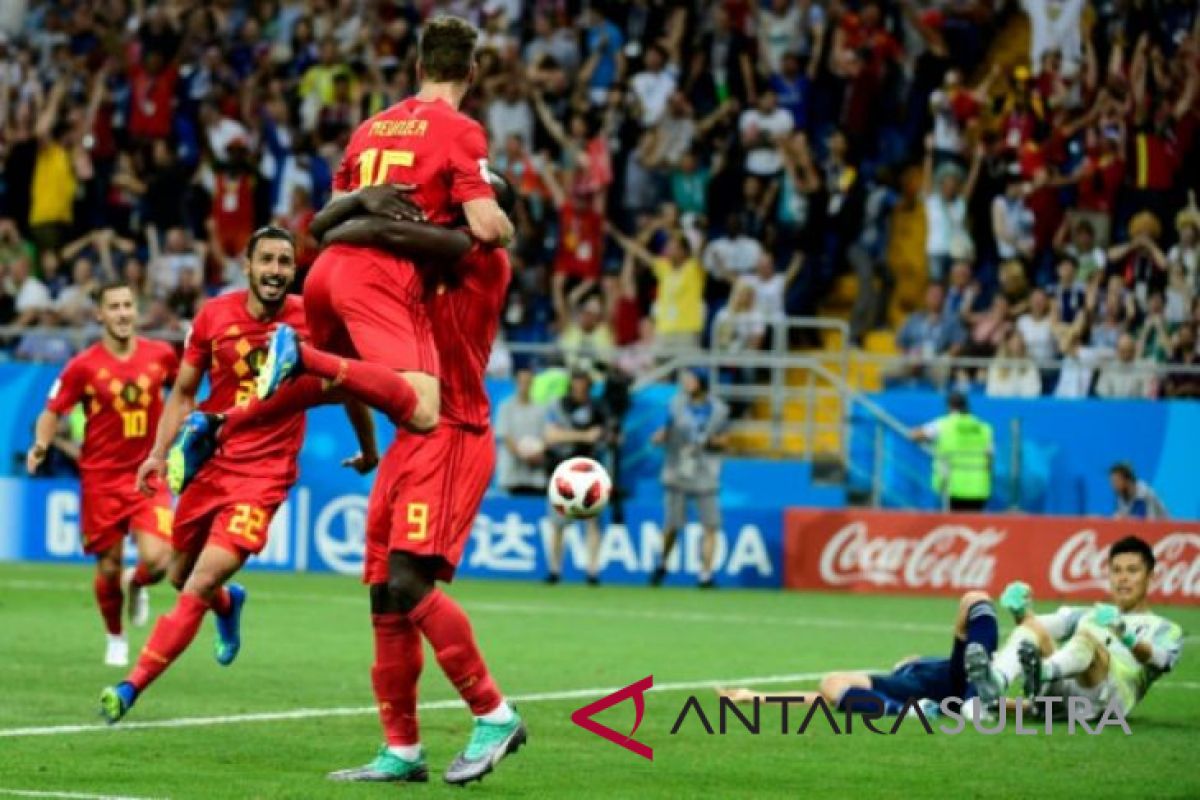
{"x":1112,"y":651}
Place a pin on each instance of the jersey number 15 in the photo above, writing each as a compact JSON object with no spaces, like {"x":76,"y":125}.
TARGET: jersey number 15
{"x":374,"y":164}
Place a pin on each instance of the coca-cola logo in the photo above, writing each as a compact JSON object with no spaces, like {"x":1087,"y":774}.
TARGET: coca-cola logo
{"x":948,"y":556}
{"x":1081,"y":563}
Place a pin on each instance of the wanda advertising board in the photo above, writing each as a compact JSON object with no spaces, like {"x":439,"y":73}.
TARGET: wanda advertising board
{"x":1060,"y":557}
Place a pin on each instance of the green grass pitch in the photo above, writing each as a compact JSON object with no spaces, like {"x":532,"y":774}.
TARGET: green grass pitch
{"x":307,"y":646}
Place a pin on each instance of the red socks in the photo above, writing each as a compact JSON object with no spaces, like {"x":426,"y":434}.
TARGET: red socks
{"x":110,"y":599}
{"x":398,"y":661}
{"x":447,"y":628}
{"x":221,"y":603}
{"x":374,"y":384}
{"x":294,"y":397}
{"x":172,"y":634}
{"x":143,"y":577}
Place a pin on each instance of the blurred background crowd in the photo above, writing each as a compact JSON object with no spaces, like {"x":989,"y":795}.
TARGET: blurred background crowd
{"x":1006,"y":182}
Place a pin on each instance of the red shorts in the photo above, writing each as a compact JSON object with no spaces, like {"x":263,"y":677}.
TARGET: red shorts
{"x":426,"y":496}
{"x":228,"y":510}
{"x":113,"y":507}
{"x":365,"y":304}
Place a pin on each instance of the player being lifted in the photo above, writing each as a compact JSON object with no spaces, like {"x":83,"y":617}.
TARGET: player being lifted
{"x":424,"y":503}
{"x":364,"y":302}
{"x":225,"y":508}
{"x":1112,"y":651}
{"x":120,"y":381}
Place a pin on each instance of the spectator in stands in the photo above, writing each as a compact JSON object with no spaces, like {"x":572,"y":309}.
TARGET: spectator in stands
{"x":990,"y":330}
{"x":739,"y":327}
{"x":575,"y":426}
{"x":509,"y":114}
{"x":868,"y":256}
{"x":1179,"y":296}
{"x":1179,"y":383}
{"x":1154,"y":337}
{"x":179,"y":253}
{"x":587,"y":342}
{"x":693,"y":438}
{"x":1135,"y":498}
{"x":1068,"y":296}
{"x":946,"y":197}
{"x":931,"y":332}
{"x":32,"y":298}
{"x":520,"y":425}
{"x":1089,"y":257}
{"x":1186,"y":252}
{"x":1078,"y":367}
{"x":962,"y":291}
{"x":1108,"y":330}
{"x":577,"y":262}
{"x":679,"y":305}
{"x":770,"y":287}
{"x":1036,"y":327}
{"x":1124,"y":377}
{"x":1013,"y":373}
{"x":74,"y":306}
{"x":1140,"y":261}
{"x":761,"y":129}
{"x":728,"y":258}
{"x":1012,"y":221}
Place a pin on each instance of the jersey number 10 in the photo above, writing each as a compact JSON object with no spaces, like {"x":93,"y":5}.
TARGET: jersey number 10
{"x":375,"y":164}
{"x":134,"y":423}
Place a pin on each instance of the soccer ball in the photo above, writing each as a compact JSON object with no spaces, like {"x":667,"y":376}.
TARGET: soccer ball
{"x":579,"y":488}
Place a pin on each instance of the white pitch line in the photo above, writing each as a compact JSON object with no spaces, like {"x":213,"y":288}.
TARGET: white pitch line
{"x":435,"y":705}
{"x":613,"y":613}
{"x":69,"y":795}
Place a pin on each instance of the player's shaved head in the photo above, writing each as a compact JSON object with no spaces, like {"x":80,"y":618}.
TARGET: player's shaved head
{"x":447,"y":51}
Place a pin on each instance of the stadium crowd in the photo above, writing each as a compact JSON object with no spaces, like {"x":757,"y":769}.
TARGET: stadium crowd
{"x":689,"y":172}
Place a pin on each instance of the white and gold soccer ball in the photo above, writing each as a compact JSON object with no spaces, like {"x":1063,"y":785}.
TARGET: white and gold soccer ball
{"x":579,"y":488}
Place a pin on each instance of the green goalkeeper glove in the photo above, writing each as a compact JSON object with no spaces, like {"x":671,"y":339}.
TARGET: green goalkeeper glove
{"x":1016,"y":598}
{"x":1106,"y":615}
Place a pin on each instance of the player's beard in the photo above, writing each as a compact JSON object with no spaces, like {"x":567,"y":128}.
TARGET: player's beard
{"x":271,"y":304}
{"x":122,"y":340}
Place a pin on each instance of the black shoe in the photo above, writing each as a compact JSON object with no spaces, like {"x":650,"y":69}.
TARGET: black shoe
{"x":592,"y":580}
{"x":1030,"y":657}
{"x":708,"y":584}
{"x":658,"y":576}
{"x":552,"y":578}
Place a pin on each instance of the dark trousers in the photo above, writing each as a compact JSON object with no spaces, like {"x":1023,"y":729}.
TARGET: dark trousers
{"x":964,"y":504}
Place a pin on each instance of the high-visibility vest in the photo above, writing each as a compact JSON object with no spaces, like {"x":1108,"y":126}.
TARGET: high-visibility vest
{"x":962,"y":458}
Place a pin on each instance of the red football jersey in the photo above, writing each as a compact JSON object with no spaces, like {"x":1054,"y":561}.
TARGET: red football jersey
{"x":230,"y":344}
{"x":123,"y":399}
{"x":465,"y":313}
{"x":426,"y":143}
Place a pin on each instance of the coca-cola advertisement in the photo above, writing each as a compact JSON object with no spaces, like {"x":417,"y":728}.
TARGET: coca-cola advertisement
{"x":1060,"y":557}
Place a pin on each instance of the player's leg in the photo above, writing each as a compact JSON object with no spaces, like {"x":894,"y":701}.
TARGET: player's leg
{"x":554,"y":558}
{"x":1084,"y":657}
{"x":710,"y":520}
{"x":975,"y":626}
{"x":674,"y":518}
{"x":175,"y":630}
{"x":990,"y":676}
{"x":399,"y":658}
{"x":592,"y":540}
{"x":110,"y":600}
{"x":151,"y":525}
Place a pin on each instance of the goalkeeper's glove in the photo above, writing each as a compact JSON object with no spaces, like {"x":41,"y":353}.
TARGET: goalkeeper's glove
{"x":1106,"y":615}
{"x":1016,"y":598}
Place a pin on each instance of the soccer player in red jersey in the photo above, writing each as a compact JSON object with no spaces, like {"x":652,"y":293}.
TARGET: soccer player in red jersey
{"x":367,"y":303}
{"x":120,"y":381}
{"x":225,"y":509}
{"x":423,"y":506}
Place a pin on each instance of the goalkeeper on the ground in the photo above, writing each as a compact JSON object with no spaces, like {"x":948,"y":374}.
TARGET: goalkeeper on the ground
{"x":1111,"y":651}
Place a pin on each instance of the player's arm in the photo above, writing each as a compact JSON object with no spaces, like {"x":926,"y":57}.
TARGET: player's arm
{"x":367,"y":458}
{"x":472,"y":188}
{"x":419,"y":240}
{"x":66,"y":391}
{"x":44,"y":431}
{"x":1161,"y":649}
{"x":387,"y":200}
{"x":180,"y":403}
